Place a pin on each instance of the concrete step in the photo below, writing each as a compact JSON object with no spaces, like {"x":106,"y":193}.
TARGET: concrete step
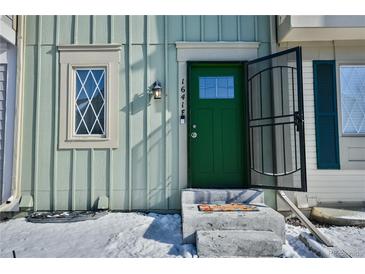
{"x":266,"y":219}
{"x":238,"y":243}
{"x":193,"y":220}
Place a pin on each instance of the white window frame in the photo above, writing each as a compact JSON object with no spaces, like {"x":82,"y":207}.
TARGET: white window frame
{"x":348,"y":143}
{"x":73,"y":57}
{"x":73,"y":133}
{"x":346,"y":64}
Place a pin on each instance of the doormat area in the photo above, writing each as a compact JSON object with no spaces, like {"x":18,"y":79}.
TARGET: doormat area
{"x":64,"y":217}
{"x":226,"y":207}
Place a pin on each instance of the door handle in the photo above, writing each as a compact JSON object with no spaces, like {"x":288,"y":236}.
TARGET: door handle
{"x":298,"y":120}
{"x":194,"y":135}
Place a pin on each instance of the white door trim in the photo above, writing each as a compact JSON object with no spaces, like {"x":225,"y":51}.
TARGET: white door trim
{"x":203,"y":51}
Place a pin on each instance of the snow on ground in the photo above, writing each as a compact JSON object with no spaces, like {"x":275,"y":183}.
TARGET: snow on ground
{"x":294,"y":247}
{"x":139,"y":235}
{"x":350,"y":239}
{"x":113,"y":235}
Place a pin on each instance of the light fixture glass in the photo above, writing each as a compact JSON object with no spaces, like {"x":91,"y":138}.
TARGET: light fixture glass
{"x":157,"y":90}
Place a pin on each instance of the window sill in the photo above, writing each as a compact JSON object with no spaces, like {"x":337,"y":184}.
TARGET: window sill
{"x":353,"y":135}
{"x":88,"y":143}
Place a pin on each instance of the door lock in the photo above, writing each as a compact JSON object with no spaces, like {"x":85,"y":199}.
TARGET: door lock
{"x":194,"y":135}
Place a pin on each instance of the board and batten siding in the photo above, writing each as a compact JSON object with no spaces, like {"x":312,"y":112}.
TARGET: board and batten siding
{"x":326,"y":185}
{"x":3,"y":77}
{"x":143,"y":172}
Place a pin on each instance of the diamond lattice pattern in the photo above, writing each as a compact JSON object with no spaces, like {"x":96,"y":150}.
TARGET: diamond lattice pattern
{"x":353,"y":99}
{"x":90,"y":101}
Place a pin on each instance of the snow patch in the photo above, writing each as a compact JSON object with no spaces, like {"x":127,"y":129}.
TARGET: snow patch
{"x":347,"y":240}
{"x":294,"y":247}
{"x":145,"y":235}
{"x":315,"y":246}
{"x":114,"y":235}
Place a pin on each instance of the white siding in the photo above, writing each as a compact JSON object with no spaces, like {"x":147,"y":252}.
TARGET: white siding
{"x":326,"y":185}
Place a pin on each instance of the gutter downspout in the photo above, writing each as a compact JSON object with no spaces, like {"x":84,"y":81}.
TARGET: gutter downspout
{"x":12,"y":204}
{"x":273,"y":32}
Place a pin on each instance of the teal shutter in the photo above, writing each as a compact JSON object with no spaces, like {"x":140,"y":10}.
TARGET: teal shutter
{"x":325,"y":102}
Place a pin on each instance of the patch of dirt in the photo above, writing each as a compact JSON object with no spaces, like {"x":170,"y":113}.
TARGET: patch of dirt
{"x":294,"y":221}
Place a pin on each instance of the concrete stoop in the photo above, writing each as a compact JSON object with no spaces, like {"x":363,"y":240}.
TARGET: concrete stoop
{"x":246,"y":234}
{"x":238,"y":243}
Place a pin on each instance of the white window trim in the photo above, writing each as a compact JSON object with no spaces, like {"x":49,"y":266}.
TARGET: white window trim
{"x":340,"y":64}
{"x":88,"y":56}
{"x":71,"y":134}
{"x":347,"y":141}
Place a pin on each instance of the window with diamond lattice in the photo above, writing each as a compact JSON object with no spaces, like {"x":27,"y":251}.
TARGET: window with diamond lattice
{"x":90,"y":101}
{"x":89,"y":96}
{"x":353,"y":99}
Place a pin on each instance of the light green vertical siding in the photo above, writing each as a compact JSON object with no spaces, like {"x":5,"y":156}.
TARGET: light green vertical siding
{"x":142,"y":173}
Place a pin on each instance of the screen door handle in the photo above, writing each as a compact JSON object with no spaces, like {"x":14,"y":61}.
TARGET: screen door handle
{"x":298,"y":120}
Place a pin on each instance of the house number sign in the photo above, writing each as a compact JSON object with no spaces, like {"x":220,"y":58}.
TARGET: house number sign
{"x":182,"y":102}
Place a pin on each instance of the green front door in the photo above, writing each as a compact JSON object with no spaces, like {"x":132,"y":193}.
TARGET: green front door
{"x":216,"y":126}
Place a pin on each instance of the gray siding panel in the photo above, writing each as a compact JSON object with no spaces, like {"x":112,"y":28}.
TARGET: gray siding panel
{"x":210,"y":27}
{"x":229,"y":28}
{"x":247,"y":22}
{"x":174,"y":28}
{"x":192,"y":28}
{"x":142,"y":173}
{"x":66,"y":29}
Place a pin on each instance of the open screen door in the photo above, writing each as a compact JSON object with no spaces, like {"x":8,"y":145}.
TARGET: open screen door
{"x":276,"y":122}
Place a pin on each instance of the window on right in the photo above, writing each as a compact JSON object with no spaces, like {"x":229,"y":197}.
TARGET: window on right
{"x":352,"y":82}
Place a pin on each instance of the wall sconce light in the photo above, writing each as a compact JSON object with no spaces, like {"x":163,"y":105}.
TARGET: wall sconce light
{"x":156,"y":90}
